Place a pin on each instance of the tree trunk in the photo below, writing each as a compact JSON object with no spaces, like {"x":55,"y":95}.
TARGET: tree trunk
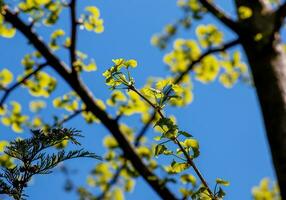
{"x":260,"y":39}
{"x":268,"y":65}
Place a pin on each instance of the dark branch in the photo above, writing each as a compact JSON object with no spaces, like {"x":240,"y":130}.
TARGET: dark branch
{"x":280,"y":14}
{"x":282,"y":10}
{"x":68,"y":118}
{"x":88,"y":100}
{"x":220,"y":15}
{"x":73,"y":35}
{"x":17,"y":84}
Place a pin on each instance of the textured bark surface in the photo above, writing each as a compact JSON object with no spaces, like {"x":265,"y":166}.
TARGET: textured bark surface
{"x":268,"y":64}
{"x":267,"y":60}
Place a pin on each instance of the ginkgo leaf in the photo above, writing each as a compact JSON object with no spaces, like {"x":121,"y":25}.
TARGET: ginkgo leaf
{"x":6,"y":77}
{"x":90,"y":67}
{"x":188,"y":178}
{"x":244,"y":12}
{"x":222,"y":182}
{"x":93,"y":10}
{"x":3,"y":144}
{"x":118,"y":194}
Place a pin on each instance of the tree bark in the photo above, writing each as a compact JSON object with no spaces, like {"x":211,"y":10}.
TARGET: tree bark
{"x":261,"y":41}
{"x":268,"y":65}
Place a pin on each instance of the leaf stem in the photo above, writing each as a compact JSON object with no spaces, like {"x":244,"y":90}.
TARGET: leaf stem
{"x":176,"y":141}
{"x":156,"y":108}
{"x":193,"y":165}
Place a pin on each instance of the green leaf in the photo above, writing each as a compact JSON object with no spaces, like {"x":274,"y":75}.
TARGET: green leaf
{"x":159,"y":149}
{"x":188,"y":178}
{"x":118,"y":194}
{"x":194,"y":145}
{"x":157,"y":138}
{"x":220,"y":193}
{"x":201,"y":193}
{"x":168,"y":126}
{"x":186,"y":134}
{"x":222,"y":182}
{"x":166,"y":122}
{"x":179,"y":167}
{"x":129,"y":185}
{"x":168,"y":152}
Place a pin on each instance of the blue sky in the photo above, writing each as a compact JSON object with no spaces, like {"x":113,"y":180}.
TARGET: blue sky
{"x":227,"y":122}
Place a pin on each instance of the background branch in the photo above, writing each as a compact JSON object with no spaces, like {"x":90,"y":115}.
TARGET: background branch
{"x":69,"y":117}
{"x":280,"y":16}
{"x":17,"y":84}
{"x":180,"y":77}
{"x":115,"y":178}
{"x":224,"y":47}
{"x":282,"y":10}
{"x":220,"y":15}
{"x":143,"y":131}
{"x":112,"y":182}
{"x":73,"y":35}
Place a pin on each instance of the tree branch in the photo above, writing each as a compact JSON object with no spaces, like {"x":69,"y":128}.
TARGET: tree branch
{"x":282,"y":10}
{"x":88,"y":100}
{"x":280,"y":14}
{"x":202,"y":56}
{"x":180,"y":77}
{"x":176,"y":141}
{"x":147,"y":100}
{"x":17,"y":84}
{"x":220,"y":15}
{"x":113,"y":181}
{"x":68,"y":118}
{"x":74,"y":24}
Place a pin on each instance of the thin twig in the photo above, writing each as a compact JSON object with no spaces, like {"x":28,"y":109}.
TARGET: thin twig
{"x":189,"y":159}
{"x":178,"y":80}
{"x":147,"y":100}
{"x":193,"y":165}
{"x":68,"y":118}
{"x":202,"y":56}
{"x":17,"y":84}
